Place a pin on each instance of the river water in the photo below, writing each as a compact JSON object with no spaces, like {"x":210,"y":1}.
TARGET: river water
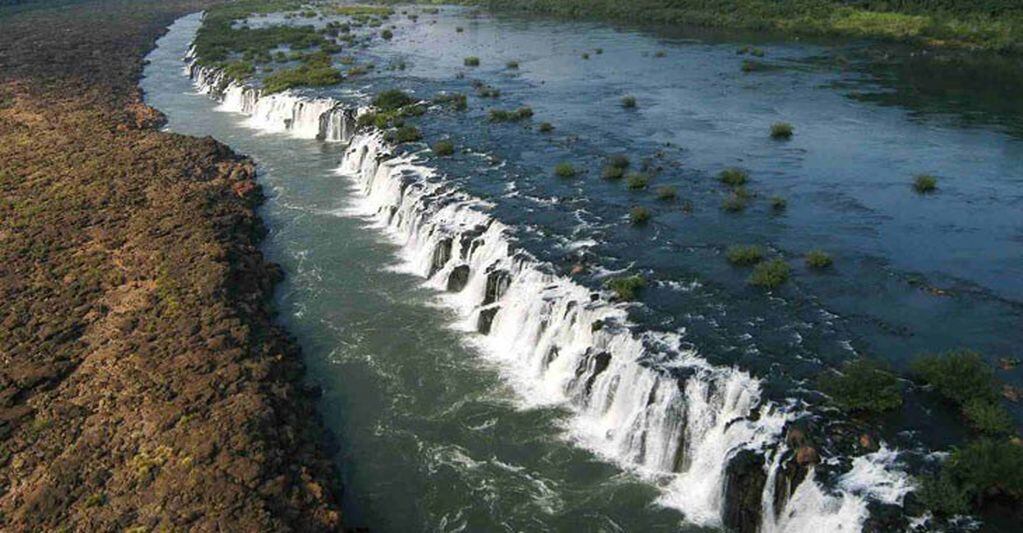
{"x":445,"y":429}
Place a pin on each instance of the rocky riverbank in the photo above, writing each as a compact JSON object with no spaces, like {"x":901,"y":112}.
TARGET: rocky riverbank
{"x":143,"y":383}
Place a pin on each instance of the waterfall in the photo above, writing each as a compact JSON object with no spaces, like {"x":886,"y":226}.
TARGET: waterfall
{"x":640,"y":400}
{"x":325,"y":119}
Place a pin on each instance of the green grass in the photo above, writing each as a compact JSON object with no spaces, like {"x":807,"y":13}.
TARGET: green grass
{"x":471,"y":61}
{"x":862,"y":386}
{"x":503,"y":115}
{"x":636,"y":181}
{"x":629,"y":102}
{"x":387,"y":34}
{"x":443,"y":148}
{"x":818,"y":259}
{"x":545,"y":127}
{"x":782,"y":130}
{"x":392,"y":100}
{"x":619,"y":161}
{"x":733,"y":177}
{"x":586,"y":55}
{"x":744,"y":255}
{"x":770,"y":274}
{"x":301,"y":76}
{"x":626,"y":288}
{"x":778,"y":204}
{"x":611,"y":172}
{"x":404,"y":134}
{"x":925,"y":184}
{"x":639,"y":215}
{"x":965,"y":380}
{"x":667,"y":193}
{"x":456,"y":101}
{"x":564,"y":170}
{"x":512,"y":64}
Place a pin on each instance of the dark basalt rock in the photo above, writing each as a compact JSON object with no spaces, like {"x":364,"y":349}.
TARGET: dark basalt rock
{"x":458,"y":278}
{"x":600,"y":364}
{"x":744,"y":486}
{"x":486,"y":319}
{"x":441,"y":255}
{"x":795,"y":465}
{"x":497,"y":284}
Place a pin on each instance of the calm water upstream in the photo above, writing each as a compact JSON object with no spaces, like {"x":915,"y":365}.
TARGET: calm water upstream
{"x":442,"y":430}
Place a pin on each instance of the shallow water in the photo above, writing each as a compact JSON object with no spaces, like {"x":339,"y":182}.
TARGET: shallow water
{"x":433,"y":435}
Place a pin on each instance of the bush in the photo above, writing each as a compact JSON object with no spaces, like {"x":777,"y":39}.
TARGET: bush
{"x":863,"y":386}
{"x":444,"y":148}
{"x":781,"y":130}
{"x":778,"y":203}
{"x":733,"y":177}
{"x":770,"y":274}
{"x":611,"y":172}
{"x":982,"y":469}
{"x":545,"y":127}
{"x":387,"y":34}
{"x":301,"y":76}
{"x":239,"y":70}
{"x":988,"y":417}
{"x":459,"y":29}
{"x":471,"y":61}
{"x":666,"y":193}
{"x":524,"y":112}
{"x":626,"y":288}
{"x":744,"y":255}
{"x":660,"y":53}
{"x":564,"y":170}
{"x":818,"y":259}
{"x":639,"y":215}
{"x":734,"y":203}
{"x":619,"y":161}
{"x":636,"y":181}
{"x":501,"y":115}
{"x":457,"y":101}
{"x":512,"y":64}
{"x":925,"y":183}
{"x":405,"y":134}
{"x":959,"y":376}
{"x":629,"y":102}
{"x":586,"y":55}
{"x":392,"y":100}
{"x":599,"y":51}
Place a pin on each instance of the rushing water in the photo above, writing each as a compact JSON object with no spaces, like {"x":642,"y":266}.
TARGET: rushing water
{"x":572,"y":412}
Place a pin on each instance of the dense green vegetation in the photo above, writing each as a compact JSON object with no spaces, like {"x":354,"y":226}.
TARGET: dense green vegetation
{"x":781,"y":130}
{"x":863,"y":385}
{"x":564,"y":170}
{"x":982,"y":470}
{"x":639,"y":215}
{"x":744,"y":255}
{"x":770,"y":274}
{"x":626,"y":288}
{"x":990,"y":24}
{"x":925,"y":183}
{"x":733,"y":177}
{"x":444,"y":148}
{"x":818,"y":259}
{"x":965,"y":380}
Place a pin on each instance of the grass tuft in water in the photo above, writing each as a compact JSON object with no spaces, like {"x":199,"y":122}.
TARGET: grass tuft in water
{"x":639,"y":215}
{"x":629,"y":102}
{"x":925,"y":184}
{"x":545,"y":127}
{"x":667,"y":193}
{"x":778,"y":204}
{"x":782,"y":130}
{"x":626,"y":288}
{"x":818,"y":259}
{"x":444,"y":148}
{"x":744,"y":255}
{"x":564,"y":170}
{"x":471,"y":61}
{"x":733,"y":177}
{"x":770,"y":274}
{"x":637,"y":181}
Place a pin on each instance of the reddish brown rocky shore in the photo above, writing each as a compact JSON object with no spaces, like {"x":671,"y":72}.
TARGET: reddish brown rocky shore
{"x":143,"y":384}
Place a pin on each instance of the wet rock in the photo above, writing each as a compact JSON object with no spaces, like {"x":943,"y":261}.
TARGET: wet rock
{"x":868,"y":442}
{"x":441,"y":255}
{"x":486,"y":319}
{"x":497,"y":283}
{"x":744,"y":486}
{"x":600,"y":363}
{"x":458,"y":278}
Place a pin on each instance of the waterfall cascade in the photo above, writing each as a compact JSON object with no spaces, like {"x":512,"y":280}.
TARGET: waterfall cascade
{"x":722,"y":454}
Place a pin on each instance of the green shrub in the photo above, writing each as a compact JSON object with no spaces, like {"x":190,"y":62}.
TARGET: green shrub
{"x":751,"y":66}
{"x":611,"y":172}
{"x":586,"y":55}
{"x":486,"y":91}
{"x":524,"y":112}
{"x":501,"y":115}
{"x":512,"y":64}
{"x":660,"y":53}
{"x":564,"y":170}
{"x":818,"y":259}
{"x":471,"y":61}
{"x":778,"y":203}
{"x":734,"y":203}
{"x":959,"y":376}
{"x":598,"y":51}
{"x":619,"y":161}
{"x":781,"y":130}
{"x":666,"y":193}
{"x":387,"y":34}
{"x":459,"y":29}
{"x":925,"y":183}
{"x":988,"y":417}
{"x":626,"y":288}
{"x":545,"y":127}
{"x":456,"y":101}
{"x":744,"y":255}
{"x":405,"y":134}
{"x":733,"y":177}
{"x":770,"y":274}
{"x":629,"y":102}
{"x":239,"y":70}
{"x":639,"y":215}
{"x":444,"y":148}
{"x":392,"y":100}
{"x":863,"y":386}
{"x":636,"y":180}
{"x":983,"y":469}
